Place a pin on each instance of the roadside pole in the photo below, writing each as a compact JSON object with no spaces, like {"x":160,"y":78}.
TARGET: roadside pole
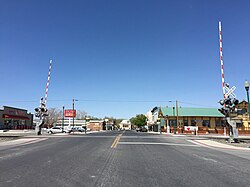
{"x":63,"y":119}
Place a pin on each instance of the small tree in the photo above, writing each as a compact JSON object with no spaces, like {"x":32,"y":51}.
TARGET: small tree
{"x":54,"y":115}
{"x":139,"y":120}
{"x":81,"y":114}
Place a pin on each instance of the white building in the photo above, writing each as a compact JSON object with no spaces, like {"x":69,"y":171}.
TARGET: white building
{"x":69,"y":122}
{"x":125,"y":124}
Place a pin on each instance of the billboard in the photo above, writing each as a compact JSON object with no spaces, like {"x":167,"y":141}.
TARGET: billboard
{"x":70,"y":113}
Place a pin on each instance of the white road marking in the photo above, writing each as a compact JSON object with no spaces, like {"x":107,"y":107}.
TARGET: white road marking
{"x":204,"y":158}
{"x":155,"y":143}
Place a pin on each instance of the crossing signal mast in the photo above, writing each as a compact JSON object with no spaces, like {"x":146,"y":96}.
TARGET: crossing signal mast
{"x":229,"y":101}
{"x":42,"y":111}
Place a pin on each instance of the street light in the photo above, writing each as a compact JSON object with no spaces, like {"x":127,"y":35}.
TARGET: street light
{"x":247,"y":89}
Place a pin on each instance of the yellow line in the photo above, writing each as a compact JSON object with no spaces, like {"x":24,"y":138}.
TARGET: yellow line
{"x":116,"y":141}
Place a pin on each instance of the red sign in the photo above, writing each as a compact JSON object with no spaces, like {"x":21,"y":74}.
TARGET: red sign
{"x":70,"y":113}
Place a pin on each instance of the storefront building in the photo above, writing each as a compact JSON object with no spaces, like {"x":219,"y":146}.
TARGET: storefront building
{"x":15,"y":119}
{"x":203,"y":118}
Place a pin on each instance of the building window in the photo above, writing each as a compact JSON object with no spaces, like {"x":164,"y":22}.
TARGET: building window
{"x":172,"y":123}
{"x":218,"y":123}
{"x":193,"y":122}
{"x":239,"y":125}
{"x":206,"y":123}
{"x":185,"y":122}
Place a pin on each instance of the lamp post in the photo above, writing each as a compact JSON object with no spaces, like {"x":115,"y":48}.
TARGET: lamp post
{"x":247,"y":89}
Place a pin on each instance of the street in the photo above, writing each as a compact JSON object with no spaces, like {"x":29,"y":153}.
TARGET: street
{"x":124,"y":158}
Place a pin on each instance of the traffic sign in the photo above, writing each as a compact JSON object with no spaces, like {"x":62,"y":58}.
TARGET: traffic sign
{"x":229,"y":91}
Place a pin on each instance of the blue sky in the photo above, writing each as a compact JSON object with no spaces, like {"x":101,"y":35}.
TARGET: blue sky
{"x":121,"y":57}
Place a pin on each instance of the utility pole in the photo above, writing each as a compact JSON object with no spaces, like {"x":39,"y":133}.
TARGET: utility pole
{"x":73,"y":112}
{"x":177,"y":116}
{"x":175,"y":124}
{"x":63,"y":119}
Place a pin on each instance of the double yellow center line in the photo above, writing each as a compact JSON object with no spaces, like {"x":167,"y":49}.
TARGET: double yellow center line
{"x":116,"y":141}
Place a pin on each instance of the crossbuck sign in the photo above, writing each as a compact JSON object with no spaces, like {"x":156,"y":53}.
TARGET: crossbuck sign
{"x":230,"y":92}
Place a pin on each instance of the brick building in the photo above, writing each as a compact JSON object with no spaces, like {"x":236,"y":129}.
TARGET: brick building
{"x":15,"y":118}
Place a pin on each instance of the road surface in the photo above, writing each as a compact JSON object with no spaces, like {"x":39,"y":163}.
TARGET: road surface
{"x":121,"y":159}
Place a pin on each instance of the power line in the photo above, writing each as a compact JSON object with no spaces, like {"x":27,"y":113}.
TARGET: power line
{"x":195,"y":104}
{"x":109,"y":101}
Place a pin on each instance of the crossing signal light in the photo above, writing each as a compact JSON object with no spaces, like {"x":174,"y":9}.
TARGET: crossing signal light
{"x":37,"y":109}
{"x":222,"y":102}
{"x":224,"y":111}
{"x":235,"y":101}
{"x":228,"y":102}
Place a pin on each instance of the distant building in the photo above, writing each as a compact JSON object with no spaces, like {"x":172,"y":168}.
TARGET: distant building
{"x":208,"y":118}
{"x":69,"y":122}
{"x":93,"y":125}
{"x":15,"y":118}
{"x":242,"y":114}
{"x":125,"y":124}
{"x":96,"y":125}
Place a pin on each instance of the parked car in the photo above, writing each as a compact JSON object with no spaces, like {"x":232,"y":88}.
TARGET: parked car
{"x":144,"y":129}
{"x":141,"y":129}
{"x":77,"y":129}
{"x":54,"y":130}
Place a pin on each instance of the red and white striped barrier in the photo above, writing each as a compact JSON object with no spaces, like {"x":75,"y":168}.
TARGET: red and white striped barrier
{"x":47,"y":85}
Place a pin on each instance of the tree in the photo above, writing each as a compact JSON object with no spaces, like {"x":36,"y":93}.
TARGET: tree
{"x":81,"y":114}
{"x":54,"y":115}
{"x":139,"y":120}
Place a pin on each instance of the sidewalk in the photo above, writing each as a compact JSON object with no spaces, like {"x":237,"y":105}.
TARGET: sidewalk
{"x":214,"y":144}
{"x":21,"y":141}
{"x":214,"y":136}
{"x":213,"y":140}
{"x":26,"y":133}
{"x":16,"y":133}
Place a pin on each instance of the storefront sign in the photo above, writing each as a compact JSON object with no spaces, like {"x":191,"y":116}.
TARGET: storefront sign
{"x":190,"y":128}
{"x":70,"y":113}
{"x":14,"y":111}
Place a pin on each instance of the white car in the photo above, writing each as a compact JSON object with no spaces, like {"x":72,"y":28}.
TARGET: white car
{"x":55,"y":130}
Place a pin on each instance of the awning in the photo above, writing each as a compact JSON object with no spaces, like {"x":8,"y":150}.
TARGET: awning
{"x":15,"y":117}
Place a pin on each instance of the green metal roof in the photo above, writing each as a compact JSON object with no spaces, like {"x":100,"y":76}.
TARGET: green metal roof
{"x":205,"y":112}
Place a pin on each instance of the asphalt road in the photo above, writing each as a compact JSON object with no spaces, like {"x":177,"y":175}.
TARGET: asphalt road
{"x":121,"y":159}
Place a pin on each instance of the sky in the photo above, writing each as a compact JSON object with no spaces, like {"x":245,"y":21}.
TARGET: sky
{"x":120,"y":58}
